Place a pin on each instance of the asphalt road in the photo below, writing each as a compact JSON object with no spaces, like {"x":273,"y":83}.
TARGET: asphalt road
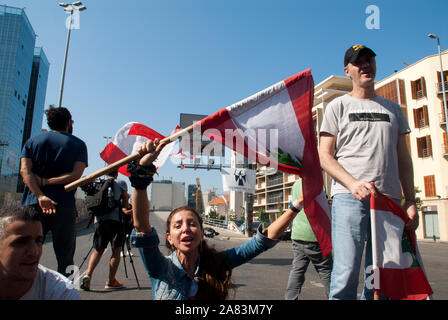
{"x":264,"y":278}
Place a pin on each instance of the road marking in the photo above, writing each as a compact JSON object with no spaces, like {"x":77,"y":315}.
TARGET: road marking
{"x":317,"y":284}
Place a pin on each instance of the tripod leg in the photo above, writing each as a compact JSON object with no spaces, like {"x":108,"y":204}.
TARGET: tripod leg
{"x":132,"y":262}
{"x":85,"y":258}
{"x":124,"y":262}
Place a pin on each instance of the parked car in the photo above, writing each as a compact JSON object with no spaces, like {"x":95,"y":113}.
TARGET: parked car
{"x":210,"y":232}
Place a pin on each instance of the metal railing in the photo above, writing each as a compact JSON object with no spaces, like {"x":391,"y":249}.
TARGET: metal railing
{"x":439,"y":86}
{"x":224,"y":224}
{"x":216,"y":223}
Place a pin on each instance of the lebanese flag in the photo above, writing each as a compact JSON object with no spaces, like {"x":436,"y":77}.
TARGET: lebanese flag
{"x":395,"y":253}
{"x":128,"y":140}
{"x":274,"y":127}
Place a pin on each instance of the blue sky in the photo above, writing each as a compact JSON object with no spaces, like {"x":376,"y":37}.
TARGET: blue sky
{"x":148,"y":61}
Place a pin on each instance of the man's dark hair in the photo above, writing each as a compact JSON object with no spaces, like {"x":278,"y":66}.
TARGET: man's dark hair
{"x":58,"y":118}
{"x":113,"y":173}
{"x":13,"y":213}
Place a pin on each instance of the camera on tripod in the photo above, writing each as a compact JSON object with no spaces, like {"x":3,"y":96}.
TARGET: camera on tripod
{"x":93,"y":187}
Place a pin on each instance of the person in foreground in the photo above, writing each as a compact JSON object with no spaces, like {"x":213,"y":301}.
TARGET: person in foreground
{"x":21,"y":275}
{"x":193,"y":270}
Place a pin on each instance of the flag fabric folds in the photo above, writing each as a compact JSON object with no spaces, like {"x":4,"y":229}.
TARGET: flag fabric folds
{"x":395,"y":253}
{"x":275,"y":128}
{"x":128,"y":140}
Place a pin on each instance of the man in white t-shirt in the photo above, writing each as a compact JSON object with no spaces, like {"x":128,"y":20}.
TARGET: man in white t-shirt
{"x":362,"y":140}
{"x":21,"y":275}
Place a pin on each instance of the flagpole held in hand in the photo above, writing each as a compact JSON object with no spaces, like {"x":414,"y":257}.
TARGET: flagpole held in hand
{"x":376,"y":295}
{"x":84,"y":180}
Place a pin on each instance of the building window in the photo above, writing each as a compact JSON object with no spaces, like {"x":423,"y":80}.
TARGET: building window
{"x":274,"y":179}
{"x":445,"y":144}
{"x":442,"y":113}
{"x":421,"y":118}
{"x":393,"y":91}
{"x":445,"y":80}
{"x":418,"y":88}
{"x":424,"y":149}
{"x":275,"y":197}
{"x":430,"y":186}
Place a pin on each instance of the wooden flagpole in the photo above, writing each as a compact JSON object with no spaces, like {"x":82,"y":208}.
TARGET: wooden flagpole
{"x":84,"y":180}
{"x":376,"y":295}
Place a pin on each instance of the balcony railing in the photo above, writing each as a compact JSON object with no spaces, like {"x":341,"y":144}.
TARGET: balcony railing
{"x":419,"y":94}
{"x":439,"y":86}
{"x":421,"y":123}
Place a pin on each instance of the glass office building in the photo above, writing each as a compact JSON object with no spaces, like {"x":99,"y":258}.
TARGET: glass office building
{"x":17,"y":54}
{"x":36,"y":95}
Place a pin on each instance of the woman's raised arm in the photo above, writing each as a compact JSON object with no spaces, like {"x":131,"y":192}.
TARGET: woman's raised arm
{"x":141,"y":176}
{"x":276,"y":229}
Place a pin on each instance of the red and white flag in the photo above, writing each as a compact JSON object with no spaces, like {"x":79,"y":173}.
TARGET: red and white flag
{"x":128,"y":140}
{"x":395,"y":253}
{"x":275,"y":128}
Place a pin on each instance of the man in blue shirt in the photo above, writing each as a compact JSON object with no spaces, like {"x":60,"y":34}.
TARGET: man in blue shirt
{"x":49,"y":161}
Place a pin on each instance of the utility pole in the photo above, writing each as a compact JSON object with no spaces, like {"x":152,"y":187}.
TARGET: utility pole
{"x":249,"y":199}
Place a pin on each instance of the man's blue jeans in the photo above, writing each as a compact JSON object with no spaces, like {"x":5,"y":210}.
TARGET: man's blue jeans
{"x":350,"y":233}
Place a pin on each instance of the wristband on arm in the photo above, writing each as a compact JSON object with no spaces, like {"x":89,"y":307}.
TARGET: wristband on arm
{"x":296,"y":206}
{"x":141,"y":176}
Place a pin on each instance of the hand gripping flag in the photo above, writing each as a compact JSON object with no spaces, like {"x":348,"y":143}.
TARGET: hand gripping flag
{"x":395,"y":253}
{"x":275,"y":128}
{"x":129,"y":139}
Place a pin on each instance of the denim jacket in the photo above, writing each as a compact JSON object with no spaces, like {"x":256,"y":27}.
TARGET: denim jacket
{"x":169,"y":280}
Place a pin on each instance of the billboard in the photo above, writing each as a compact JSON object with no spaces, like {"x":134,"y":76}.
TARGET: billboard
{"x":196,"y":144}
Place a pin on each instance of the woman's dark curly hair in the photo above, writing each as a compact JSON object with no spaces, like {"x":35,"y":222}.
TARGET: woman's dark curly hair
{"x":215,"y":272}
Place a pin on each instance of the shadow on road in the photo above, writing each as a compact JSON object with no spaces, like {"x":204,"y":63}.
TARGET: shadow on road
{"x":274,"y":262}
{"x":106,"y":291}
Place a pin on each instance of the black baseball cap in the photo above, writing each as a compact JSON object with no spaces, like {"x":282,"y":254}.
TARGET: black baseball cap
{"x":354,"y":51}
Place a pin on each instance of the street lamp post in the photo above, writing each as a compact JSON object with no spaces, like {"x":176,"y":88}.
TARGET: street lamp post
{"x":107,"y":143}
{"x":77,"y":5}
{"x":433,"y":36}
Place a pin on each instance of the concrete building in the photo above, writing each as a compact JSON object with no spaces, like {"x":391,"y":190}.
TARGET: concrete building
{"x":191,"y":196}
{"x":23,"y":84}
{"x":272,"y":191}
{"x":167,"y":195}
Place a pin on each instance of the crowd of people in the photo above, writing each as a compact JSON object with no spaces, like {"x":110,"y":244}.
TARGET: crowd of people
{"x":362,"y":141}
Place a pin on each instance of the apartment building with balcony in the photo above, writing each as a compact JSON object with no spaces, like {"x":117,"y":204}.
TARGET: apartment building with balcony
{"x":418,"y":90}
